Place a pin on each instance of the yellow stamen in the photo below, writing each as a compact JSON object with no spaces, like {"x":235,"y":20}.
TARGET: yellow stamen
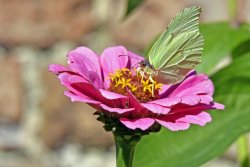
{"x":143,"y":88}
{"x":158,"y":86}
{"x":146,"y":86}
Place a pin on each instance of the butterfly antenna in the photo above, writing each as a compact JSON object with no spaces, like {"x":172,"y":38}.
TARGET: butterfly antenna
{"x":130,"y":56}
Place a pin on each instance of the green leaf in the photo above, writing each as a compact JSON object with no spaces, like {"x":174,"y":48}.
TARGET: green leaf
{"x":132,"y":5}
{"x":241,"y":49}
{"x":198,"y":145}
{"x":220,"y":40}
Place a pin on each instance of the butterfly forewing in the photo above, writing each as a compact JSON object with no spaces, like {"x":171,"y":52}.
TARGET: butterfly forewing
{"x":179,"y":48}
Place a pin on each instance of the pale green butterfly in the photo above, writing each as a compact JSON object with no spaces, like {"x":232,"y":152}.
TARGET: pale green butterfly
{"x":177,"y":51}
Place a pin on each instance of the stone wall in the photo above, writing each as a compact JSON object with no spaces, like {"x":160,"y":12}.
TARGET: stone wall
{"x":39,"y":126}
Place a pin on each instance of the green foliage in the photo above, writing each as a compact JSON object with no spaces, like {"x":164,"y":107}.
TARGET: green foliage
{"x":132,"y":5}
{"x":220,"y":40}
{"x":200,"y":144}
{"x":241,"y":49}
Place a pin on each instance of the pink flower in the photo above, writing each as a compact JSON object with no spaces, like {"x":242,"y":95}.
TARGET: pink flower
{"x":110,"y":84}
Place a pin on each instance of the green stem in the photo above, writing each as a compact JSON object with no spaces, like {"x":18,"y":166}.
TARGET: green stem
{"x":243,"y":154}
{"x":124,"y":152}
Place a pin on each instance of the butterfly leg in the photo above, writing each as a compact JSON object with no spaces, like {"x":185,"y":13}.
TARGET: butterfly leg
{"x":142,"y":74}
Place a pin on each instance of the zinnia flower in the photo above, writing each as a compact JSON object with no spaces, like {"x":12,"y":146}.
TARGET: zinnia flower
{"x":111,"y":84}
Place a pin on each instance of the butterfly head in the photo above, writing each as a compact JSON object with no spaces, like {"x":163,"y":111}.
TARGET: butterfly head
{"x":145,"y":63}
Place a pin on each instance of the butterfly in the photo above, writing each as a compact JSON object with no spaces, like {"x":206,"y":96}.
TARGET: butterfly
{"x":177,"y":51}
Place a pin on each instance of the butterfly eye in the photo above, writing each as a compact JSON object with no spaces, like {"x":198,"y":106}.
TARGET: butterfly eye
{"x":143,"y":64}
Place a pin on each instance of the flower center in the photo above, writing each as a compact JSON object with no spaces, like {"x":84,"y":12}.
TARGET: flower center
{"x":144,"y":88}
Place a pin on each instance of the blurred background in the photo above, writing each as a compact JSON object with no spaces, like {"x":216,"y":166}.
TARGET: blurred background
{"x":39,"y":126}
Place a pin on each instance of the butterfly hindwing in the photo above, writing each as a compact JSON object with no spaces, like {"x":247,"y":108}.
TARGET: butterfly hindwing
{"x":179,"y":48}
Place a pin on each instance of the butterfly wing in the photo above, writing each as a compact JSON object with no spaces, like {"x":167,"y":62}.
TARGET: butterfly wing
{"x":179,"y":48}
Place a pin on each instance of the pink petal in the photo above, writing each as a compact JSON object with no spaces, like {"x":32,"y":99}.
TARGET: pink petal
{"x":135,"y":103}
{"x":167,"y":102}
{"x":200,"y":119}
{"x":205,"y":87}
{"x":197,"y":108}
{"x":76,"y":79}
{"x":113,"y":58}
{"x":218,"y":106}
{"x":157,"y":109}
{"x":190,"y":100}
{"x":193,"y":85}
{"x":95,"y":79}
{"x":191,"y":73}
{"x":139,"y":108}
{"x":164,"y":90}
{"x":82,"y":60}
{"x":64,"y":79}
{"x":117,"y":110}
{"x":134,"y":59}
{"x":114,"y":99}
{"x":78,"y":84}
{"x":80,"y":87}
{"x":57,"y":68}
{"x":111,"y":95}
{"x":167,"y":91}
{"x":206,"y":99}
{"x":174,"y":126}
{"x":81,"y":98}
{"x":142,"y":123}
